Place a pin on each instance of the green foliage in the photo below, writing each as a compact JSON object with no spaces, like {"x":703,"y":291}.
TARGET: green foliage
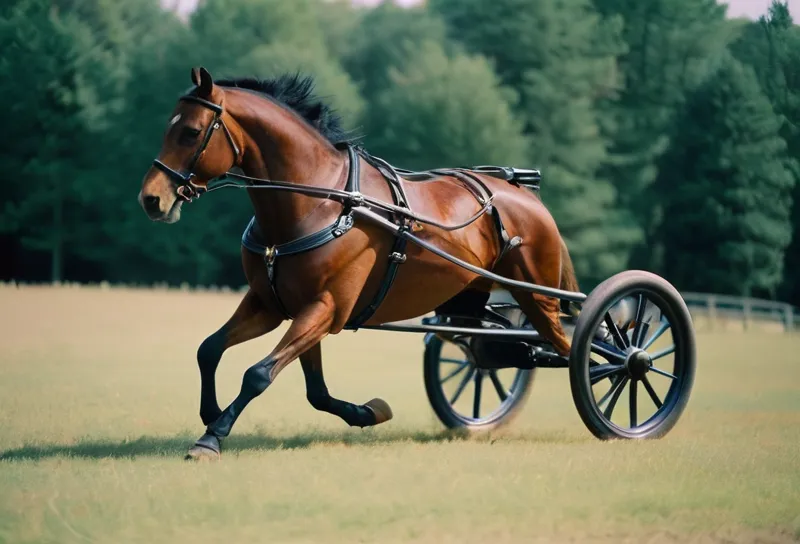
{"x":263,"y":38}
{"x":229,"y":29}
{"x":668,"y":47}
{"x":560,"y":56}
{"x":771,"y":47}
{"x":727,"y":189}
{"x":60,"y":82}
{"x":620,"y":102}
{"x":386,"y":37}
{"x":442,"y":111}
{"x":332,"y":82}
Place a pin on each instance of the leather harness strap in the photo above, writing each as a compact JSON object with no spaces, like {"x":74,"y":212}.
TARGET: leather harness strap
{"x":251,"y":242}
{"x":351,"y":197}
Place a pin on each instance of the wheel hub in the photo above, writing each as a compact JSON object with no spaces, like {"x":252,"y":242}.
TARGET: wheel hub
{"x":638,"y":364}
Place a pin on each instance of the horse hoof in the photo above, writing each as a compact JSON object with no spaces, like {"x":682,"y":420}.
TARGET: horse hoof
{"x":207,"y":448}
{"x":200,"y":453}
{"x":381,"y":409}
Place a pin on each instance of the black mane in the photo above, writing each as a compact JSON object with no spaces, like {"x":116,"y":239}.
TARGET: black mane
{"x":296,"y":91}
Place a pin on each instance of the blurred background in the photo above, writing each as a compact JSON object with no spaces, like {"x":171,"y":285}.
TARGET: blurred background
{"x":667,"y":130}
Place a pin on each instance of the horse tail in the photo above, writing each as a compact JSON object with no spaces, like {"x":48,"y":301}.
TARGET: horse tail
{"x":569,"y":282}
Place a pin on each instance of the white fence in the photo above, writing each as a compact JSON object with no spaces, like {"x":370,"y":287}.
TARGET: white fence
{"x":710,"y":311}
{"x":719,"y":311}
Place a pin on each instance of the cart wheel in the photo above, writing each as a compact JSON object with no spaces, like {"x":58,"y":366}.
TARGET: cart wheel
{"x":466,"y":397}
{"x":632,"y":361}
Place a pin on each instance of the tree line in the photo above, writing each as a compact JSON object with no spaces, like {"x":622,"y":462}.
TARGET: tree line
{"x":667,"y":133}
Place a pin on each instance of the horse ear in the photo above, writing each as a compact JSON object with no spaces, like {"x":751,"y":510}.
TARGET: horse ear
{"x":203,"y":80}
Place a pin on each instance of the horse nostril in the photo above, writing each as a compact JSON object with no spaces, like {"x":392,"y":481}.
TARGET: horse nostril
{"x":151,"y":203}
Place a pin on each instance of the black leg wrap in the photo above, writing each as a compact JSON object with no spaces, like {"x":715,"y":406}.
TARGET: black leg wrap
{"x":208,"y":356}
{"x":256,"y":379}
{"x":320,"y":399}
{"x":355,"y":416}
{"x":317,"y":394}
{"x":210,"y":352}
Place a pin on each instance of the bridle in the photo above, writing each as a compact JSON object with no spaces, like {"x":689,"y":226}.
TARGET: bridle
{"x":187,"y":189}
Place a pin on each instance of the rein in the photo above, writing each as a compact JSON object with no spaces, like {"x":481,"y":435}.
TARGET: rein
{"x":188,"y":190}
{"x":351,"y":198}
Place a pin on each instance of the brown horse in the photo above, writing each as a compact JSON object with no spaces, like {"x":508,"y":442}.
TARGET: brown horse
{"x":277,"y":130}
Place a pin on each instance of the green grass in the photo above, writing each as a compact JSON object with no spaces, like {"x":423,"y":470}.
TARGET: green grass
{"x":99,"y":400}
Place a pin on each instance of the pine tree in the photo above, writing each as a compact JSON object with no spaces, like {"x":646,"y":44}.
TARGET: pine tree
{"x":727,"y":189}
{"x":385,"y":38}
{"x":263,"y":38}
{"x":668,"y":47}
{"x":441,"y":111}
{"x":560,"y":57}
{"x":60,"y":80}
{"x":771,"y":46}
{"x":230,"y":29}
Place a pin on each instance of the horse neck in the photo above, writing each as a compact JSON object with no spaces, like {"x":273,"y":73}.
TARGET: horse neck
{"x":279,"y":145}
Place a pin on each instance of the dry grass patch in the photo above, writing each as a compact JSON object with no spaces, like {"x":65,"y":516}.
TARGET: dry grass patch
{"x":99,"y":400}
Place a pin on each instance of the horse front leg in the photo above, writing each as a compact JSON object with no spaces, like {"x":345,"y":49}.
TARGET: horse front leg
{"x":308,"y":328}
{"x":373,"y":412}
{"x":250,"y":320}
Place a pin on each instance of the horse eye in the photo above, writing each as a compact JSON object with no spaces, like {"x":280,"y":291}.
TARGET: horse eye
{"x":189,"y":135}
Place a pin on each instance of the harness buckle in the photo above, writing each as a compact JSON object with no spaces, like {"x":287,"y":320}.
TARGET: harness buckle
{"x":397,"y":257}
{"x":356,"y":199}
{"x":344,"y":224}
{"x":269,"y":255}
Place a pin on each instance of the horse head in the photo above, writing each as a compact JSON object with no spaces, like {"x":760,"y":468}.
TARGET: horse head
{"x":198,"y":146}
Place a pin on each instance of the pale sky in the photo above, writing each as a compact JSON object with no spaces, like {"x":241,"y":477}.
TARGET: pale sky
{"x":737,"y":8}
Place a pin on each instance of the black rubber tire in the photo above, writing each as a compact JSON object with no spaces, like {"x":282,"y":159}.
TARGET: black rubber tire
{"x":506,"y":412}
{"x":593,"y":311}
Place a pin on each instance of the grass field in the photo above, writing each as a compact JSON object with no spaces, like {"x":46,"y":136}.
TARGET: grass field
{"x":99,"y":400}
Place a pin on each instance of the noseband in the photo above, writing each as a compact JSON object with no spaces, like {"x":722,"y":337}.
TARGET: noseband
{"x":187,"y":189}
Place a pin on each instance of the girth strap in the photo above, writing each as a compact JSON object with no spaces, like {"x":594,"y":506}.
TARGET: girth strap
{"x":312,"y":241}
{"x":396,"y":258}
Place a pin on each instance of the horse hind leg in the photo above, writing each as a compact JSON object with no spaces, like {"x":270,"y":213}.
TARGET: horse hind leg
{"x":373,"y":412}
{"x":543,"y":312}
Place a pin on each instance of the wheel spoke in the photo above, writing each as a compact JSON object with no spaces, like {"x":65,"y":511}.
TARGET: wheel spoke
{"x":663,"y":353}
{"x":633,"y":403}
{"x":453,"y":373}
{"x":656,"y":335}
{"x":599,"y":372}
{"x":606,"y":350}
{"x":662,"y":373}
{"x":461,"y":386}
{"x":642,"y":334}
{"x":605,"y":397}
{"x":620,"y":339}
{"x":456,"y":361}
{"x":615,"y":397}
{"x":476,"y":405}
{"x":637,"y":330}
{"x":498,"y":386}
{"x":651,"y":392}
